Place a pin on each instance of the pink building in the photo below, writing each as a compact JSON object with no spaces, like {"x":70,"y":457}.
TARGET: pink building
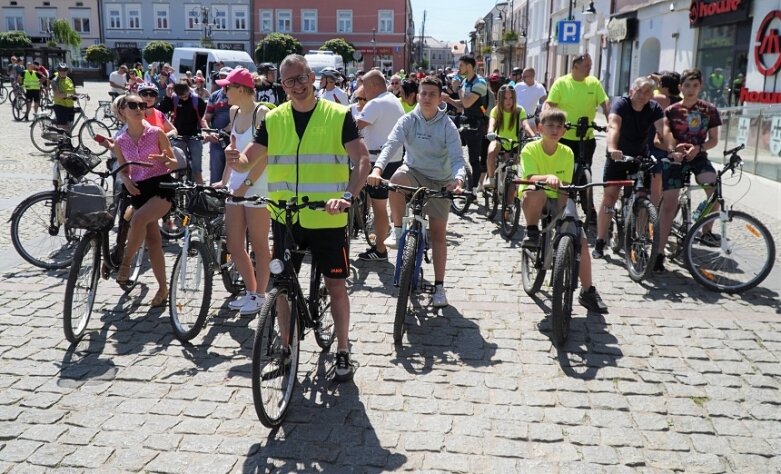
{"x":382,"y":33}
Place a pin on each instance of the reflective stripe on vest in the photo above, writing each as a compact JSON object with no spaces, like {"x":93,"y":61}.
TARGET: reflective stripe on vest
{"x":31,"y":81}
{"x":316,"y":166}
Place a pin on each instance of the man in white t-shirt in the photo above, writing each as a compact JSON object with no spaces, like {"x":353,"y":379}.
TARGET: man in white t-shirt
{"x":118,"y":80}
{"x":530,"y":94}
{"x":329,"y":80}
{"x":375,"y":121}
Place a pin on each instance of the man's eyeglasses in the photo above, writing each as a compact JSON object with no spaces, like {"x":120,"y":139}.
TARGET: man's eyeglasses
{"x":361,"y":99}
{"x":135,"y":105}
{"x":148,"y":94}
{"x":303,"y":79}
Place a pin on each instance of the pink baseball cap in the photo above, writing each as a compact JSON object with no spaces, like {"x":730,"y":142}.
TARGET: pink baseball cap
{"x":240,"y":77}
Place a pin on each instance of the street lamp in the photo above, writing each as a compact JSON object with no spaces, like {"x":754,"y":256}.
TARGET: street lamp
{"x":374,"y":48}
{"x":206,"y":18}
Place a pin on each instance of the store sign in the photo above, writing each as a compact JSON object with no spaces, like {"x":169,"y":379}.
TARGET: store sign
{"x":760,"y":97}
{"x":620,"y":29}
{"x":718,"y":12}
{"x":381,"y":50}
{"x":767,"y":51}
{"x":126,"y":44}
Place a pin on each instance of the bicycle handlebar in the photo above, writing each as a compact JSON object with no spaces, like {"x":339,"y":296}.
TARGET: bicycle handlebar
{"x":572,"y":187}
{"x":734,"y":150}
{"x":582,"y":127}
{"x":430,"y":193}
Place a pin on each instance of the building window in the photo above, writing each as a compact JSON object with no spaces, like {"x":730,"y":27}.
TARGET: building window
{"x":192,"y":16}
{"x":385,"y":21}
{"x":344,"y":21}
{"x":133,"y":13}
{"x":266,"y":21}
{"x":14,"y":21}
{"x":309,"y":21}
{"x":45,"y":21}
{"x":220,"y":18}
{"x":81,"y":20}
{"x":114,"y":18}
{"x":284,"y":21}
{"x":239,"y":18}
{"x":161,"y":16}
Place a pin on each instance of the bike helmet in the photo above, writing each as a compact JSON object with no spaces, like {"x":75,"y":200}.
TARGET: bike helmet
{"x":330,"y":72}
{"x":148,"y":86}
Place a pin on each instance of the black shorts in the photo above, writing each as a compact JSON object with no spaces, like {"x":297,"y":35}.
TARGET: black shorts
{"x":589,"y":147}
{"x":33,"y":95}
{"x":673,"y":175}
{"x":150,"y":188}
{"x":616,"y":170}
{"x":379,"y":192}
{"x":328,"y":246}
{"x":63,"y":114}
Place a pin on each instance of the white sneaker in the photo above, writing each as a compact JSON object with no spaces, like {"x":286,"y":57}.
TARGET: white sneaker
{"x":488,"y":183}
{"x":253,"y":305}
{"x":439,"y":300}
{"x":239,"y":302}
{"x":480,"y":187}
{"x":392,"y":242}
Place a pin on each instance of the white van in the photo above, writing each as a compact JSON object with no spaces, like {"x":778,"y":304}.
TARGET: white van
{"x":194,"y":59}
{"x":320,"y":59}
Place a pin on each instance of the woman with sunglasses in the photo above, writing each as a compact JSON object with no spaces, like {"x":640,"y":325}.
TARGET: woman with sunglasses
{"x":154,"y":117}
{"x":395,"y":85}
{"x":141,"y":142}
{"x":506,"y":120}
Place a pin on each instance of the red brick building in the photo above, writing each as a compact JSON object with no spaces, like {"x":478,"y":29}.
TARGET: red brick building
{"x":381,"y":31}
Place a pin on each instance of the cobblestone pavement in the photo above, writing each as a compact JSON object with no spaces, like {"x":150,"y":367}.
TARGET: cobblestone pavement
{"x":674,"y":378}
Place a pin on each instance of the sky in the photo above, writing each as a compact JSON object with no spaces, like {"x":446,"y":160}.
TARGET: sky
{"x":449,"y":20}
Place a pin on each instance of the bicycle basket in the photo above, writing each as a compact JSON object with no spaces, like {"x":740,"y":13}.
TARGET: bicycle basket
{"x":78,"y":164}
{"x":206,"y":203}
{"x":87,"y":207}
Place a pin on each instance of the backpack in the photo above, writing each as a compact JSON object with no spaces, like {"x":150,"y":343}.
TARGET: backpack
{"x":193,"y":100}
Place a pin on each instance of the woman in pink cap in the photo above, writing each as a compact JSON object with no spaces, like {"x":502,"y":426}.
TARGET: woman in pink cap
{"x":246,"y":218}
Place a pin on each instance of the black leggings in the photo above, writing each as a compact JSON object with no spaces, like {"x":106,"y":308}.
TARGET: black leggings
{"x":477,"y":157}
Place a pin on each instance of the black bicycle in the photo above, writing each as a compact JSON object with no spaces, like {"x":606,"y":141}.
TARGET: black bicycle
{"x":286,"y":314}
{"x":582,"y":173}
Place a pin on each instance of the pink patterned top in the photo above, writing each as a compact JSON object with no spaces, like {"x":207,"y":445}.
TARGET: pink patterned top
{"x":132,"y":151}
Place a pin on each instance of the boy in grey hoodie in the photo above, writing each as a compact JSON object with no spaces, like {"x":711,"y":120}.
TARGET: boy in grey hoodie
{"x":433,"y":159}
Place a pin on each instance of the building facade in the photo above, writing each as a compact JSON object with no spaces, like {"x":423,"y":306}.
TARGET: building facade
{"x":432,"y":52}
{"x":382,"y":34}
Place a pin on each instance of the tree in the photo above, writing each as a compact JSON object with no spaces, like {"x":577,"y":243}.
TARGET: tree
{"x":340,"y":46}
{"x":158,"y":51}
{"x":15,"y":40}
{"x":63,"y":33}
{"x":99,"y":54}
{"x":275,"y":46}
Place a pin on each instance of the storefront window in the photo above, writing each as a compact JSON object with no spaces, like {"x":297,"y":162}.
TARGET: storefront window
{"x":722,"y":55}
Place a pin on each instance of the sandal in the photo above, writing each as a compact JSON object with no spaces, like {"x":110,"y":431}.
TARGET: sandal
{"x":123,"y":276}
{"x":160,"y":299}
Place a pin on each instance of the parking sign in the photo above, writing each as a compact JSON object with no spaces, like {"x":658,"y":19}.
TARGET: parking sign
{"x":569,"y":32}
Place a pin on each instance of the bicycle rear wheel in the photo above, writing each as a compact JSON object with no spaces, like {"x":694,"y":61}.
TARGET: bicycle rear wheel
{"x":274,"y":369}
{"x":3,"y":94}
{"x":742,"y":261}
{"x":191,"y":291}
{"x":38,"y":233}
{"x":586,"y":196}
{"x":511,"y":209}
{"x":564,"y":281}
{"x":460,"y":204}
{"x":678,"y":232}
{"x":641,"y":240}
{"x":40,"y":134}
{"x":87,"y":133}
{"x":18,"y":106}
{"x":367,"y":214}
{"x":104,"y":114}
{"x":616,"y":231}
{"x":81,"y":288}
{"x":405,"y":285}
{"x":320,"y":309}
{"x":532,"y":270}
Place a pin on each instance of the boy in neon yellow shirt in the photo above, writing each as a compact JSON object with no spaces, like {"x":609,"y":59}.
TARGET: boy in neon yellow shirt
{"x":551,"y":162}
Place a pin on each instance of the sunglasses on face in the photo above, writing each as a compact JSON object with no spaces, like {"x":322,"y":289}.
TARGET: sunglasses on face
{"x":148,"y":94}
{"x":135,"y":106}
{"x":361,"y":99}
{"x":303,"y":79}
{"x":395,"y":83}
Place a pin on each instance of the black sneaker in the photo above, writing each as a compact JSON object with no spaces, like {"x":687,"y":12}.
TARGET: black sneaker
{"x":659,"y":264}
{"x":599,"y":249}
{"x":343,"y":367}
{"x":709,"y":239}
{"x":532,"y":239}
{"x":373,"y":254}
{"x":591,"y":300}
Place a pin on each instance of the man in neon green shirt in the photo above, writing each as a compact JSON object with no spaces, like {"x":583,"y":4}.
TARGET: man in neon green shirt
{"x":63,"y":89}
{"x":549,"y":161}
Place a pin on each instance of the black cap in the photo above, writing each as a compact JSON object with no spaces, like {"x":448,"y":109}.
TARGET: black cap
{"x":267,"y":67}
{"x":517,"y":70}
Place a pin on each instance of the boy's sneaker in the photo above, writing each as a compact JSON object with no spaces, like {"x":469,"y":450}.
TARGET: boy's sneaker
{"x":532,"y":239}
{"x":344,"y":369}
{"x":599,"y":249}
{"x":392,"y":241}
{"x":439,"y":300}
{"x":659,"y":264}
{"x":591,"y":300}
{"x":253,"y":305}
{"x":239,"y":302}
{"x":710,"y":239}
{"x":488,"y":183}
{"x":373,"y":254}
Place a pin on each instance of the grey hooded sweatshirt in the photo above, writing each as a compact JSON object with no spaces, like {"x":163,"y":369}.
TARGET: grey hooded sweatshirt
{"x":433,"y":147}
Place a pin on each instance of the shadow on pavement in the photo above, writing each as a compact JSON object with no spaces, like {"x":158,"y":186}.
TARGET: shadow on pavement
{"x":361,"y":270}
{"x":326,"y":430}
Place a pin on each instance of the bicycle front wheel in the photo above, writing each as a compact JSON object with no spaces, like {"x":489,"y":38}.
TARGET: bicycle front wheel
{"x":3,"y":94}
{"x":641,"y":240}
{"x":511,"y":210}
{"x":564,"y":280}
{"x":274,"y":368}
{"x":460,"y":204}
{"x":320,"y":309}
{"x":87,"y":133}
{"x":40,"y":134}
{"x":367,"y":213}
{"x":191,"y":291}
{"x":532,"y":270}
{"x":743,"y":258}
{"x":39,"y":234}
{"x":81,"y":288}
{"x":18,"y":106}
{"x":405,"y":285}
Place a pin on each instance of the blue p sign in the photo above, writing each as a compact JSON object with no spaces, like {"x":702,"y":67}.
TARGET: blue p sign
{"x":569,"y":32}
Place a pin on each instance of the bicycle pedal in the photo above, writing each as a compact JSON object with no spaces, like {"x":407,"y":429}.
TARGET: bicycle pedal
{"x":427,"y":288}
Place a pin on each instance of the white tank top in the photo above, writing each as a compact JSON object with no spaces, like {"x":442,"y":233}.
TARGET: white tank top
{"x":260,"y":186}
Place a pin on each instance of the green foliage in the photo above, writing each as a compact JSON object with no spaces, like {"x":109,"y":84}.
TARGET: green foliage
{"x":15,"y":39}
{"x":275,"y":47}
{"x":510,"y":36}
{"x":99,"y":54}
{"x":158,"y":51}
{"x":340,"y":46}
{"x":422,"y":63}
{"x":63,"y":33}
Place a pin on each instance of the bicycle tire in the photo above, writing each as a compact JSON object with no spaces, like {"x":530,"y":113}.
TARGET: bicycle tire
{"x":81,"y":277}
{"x":532,"y":270}
{"x":3,"y":94}
{"x":459,"y":205}
{"x":190,"y":297}
{"x":171,"y":227}
{"x":103,"y":113}
{"x":87,"y":132}
{"x":320,"y":309}
{"x":18,"y":105}
{"x":272,"y":389}
{"x":678,"y":231}
{"x":27,"y":221}
{"x":617,"y":228}
{"x":369,"y":229}
{"x":585,"y":196}
{"x":511,"y":210}
{"x":641,"y":239}
{"x":748,"y":241}
{"x":564,"y":280}
{"x":40,"y":135}
{"x":231,"y":278}
{"x":405,"y":285}
{"x":491,"y":199}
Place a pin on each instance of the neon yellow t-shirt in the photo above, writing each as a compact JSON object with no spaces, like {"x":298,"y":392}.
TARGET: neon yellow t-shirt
{"x":534,"y":161}
{"x":577,"y":99}
{"x":507,"y":131}
{"x":404,"y":105}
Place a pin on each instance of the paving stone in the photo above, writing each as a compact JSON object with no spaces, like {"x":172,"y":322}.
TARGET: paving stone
{"x":600,"y":455}
{"x":711,"y":444}
{"x":88,"y":457}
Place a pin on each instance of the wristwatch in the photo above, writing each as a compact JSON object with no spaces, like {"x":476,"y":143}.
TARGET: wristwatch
{"x":247,"y":182}
{"x":347,"y":196}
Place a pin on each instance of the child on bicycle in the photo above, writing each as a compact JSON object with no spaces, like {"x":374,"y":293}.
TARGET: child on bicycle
{"x":507,"y":119}
{"x":553,"y":163}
